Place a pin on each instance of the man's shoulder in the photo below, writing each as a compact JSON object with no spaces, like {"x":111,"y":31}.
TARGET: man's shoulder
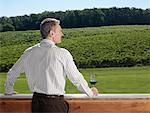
{"x":64,"y":50}
{"x":61,"y":51}
{"x":32,"y":47}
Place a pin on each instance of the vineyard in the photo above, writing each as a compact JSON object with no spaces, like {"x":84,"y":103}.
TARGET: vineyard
{"x":110,"y":46}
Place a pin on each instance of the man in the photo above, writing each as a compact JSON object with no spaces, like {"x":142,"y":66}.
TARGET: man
{"x":46,"y":67}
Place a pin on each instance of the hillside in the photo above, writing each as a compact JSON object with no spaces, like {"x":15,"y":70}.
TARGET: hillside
{"x":91,"y":47}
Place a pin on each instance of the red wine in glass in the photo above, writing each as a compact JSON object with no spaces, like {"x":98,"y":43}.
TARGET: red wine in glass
{"x":92,"y":79}
{"x":93,"y":82}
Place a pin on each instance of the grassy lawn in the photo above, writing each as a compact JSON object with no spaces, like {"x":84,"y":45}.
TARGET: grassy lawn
{"x":110,"y":80}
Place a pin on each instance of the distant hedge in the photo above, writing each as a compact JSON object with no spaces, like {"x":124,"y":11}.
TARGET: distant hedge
{"x":113,"y":46}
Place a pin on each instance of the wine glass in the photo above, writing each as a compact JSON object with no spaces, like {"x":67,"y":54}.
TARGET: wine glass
{"x":93,"y":80}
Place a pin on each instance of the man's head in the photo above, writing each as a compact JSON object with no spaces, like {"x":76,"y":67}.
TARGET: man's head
{"x":50,"y":29}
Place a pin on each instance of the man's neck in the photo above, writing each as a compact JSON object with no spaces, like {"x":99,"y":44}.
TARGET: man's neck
{"x":50,"y":38}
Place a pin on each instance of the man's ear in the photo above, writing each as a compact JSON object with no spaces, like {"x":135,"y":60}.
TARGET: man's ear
{"x":51,"y":33}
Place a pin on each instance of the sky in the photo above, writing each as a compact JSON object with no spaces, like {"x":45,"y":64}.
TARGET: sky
{"x":26,"y":7}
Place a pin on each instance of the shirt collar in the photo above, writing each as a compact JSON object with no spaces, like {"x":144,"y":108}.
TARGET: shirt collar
{"x":47,"y":42}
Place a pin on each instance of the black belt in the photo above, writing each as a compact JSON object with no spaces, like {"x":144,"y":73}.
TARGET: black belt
{"x":46,"y":95}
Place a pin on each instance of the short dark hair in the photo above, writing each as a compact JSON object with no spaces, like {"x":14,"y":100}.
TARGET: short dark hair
{"x":47,"y":25}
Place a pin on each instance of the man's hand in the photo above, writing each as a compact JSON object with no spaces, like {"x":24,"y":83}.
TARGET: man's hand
{"x":95,"y":91}
{"x":10,"y":93}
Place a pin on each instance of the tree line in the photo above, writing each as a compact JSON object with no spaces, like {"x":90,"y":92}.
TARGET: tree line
{"x":79,"y":18}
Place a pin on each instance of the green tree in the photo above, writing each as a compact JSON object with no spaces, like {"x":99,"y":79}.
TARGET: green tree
{"x":1,"y":27}
{"x":8,"y":27}
{"x":5,"y":20}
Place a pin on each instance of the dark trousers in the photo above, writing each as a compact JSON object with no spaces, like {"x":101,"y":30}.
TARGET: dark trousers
{"x":42,"y":103}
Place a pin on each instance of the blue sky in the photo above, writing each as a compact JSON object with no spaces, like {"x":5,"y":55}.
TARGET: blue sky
{"x":21,"y":7}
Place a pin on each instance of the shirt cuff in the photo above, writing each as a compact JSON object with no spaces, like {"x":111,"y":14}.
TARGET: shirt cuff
{"x":8,"y":90}
{"x":86,"y":90}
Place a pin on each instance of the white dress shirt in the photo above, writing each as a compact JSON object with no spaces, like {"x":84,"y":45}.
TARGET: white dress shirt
{"x":46,"y":67}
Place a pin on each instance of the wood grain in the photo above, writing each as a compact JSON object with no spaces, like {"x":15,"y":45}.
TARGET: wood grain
{"x":83,"y":106}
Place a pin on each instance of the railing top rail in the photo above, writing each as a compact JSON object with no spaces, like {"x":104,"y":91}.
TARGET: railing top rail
{"x":83,"y":96}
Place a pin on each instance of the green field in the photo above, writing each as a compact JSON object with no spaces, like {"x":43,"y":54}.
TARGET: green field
{"x":110,"y":80}
{"x":93,"y":47}
{"x":126,"y":47}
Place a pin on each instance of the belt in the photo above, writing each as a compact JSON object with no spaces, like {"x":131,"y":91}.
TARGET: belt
{"x":46,"y":95}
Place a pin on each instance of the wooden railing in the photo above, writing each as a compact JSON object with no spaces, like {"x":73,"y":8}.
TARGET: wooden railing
{"x":80,"y":103}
